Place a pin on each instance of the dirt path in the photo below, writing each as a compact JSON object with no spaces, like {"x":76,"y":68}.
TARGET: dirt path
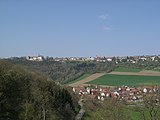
{"x":90,"y":78}
{"x":144,"y":72}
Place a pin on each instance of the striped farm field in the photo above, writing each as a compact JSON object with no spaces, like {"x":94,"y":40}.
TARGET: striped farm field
{"x":129,"y":80}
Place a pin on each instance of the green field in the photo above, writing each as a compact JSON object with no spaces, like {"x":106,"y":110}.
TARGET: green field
{"x":134,"y":113}
{"x":129,"y":80}
{"x":80,"y":78}
{"x":126,"y":69}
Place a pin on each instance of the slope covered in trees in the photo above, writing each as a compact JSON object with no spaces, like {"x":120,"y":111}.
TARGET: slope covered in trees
{"x":65,"y":72}
{"x":68,"y":71}
{"x":142,"y":65}
{"x":26,"y":95}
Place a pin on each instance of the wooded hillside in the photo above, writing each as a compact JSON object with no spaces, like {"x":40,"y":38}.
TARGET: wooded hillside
{"x":64,"y":72}
{"x":26,"y":95}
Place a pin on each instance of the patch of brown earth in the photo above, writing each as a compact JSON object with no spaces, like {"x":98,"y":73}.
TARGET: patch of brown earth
{"x":144,"y":73}
{"x":90,"y":78}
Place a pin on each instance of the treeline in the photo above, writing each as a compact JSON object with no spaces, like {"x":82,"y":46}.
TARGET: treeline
{"x":64,"y":72}
{"x":26,"y":95}
{"x":147,"y":65}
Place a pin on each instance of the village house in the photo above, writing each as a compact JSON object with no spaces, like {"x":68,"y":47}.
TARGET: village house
{"x":35,"y":58}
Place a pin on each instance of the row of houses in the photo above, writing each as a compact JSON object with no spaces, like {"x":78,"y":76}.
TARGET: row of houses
{"x":132,"y":59}
{"x":135,"y":59}
{"x":122,"y":93}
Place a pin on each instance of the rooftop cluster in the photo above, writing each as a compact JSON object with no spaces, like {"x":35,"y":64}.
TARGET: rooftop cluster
{"x":129,"y":94}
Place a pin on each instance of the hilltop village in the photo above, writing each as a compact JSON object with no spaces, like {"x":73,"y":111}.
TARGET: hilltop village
{"x":132,"y":59}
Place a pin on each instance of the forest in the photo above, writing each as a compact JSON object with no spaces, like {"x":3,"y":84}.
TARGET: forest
{"x":28,"y":95}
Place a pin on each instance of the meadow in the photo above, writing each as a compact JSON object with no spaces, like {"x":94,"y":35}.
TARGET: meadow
{"x":126,"y":69}
{"x":129,"y":80}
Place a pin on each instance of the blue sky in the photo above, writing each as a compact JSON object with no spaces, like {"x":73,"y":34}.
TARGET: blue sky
{"x":79,"y":27}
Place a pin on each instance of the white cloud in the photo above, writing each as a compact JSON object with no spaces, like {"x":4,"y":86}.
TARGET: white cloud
{"x":106,"y":28}
{"x":103,"y":17}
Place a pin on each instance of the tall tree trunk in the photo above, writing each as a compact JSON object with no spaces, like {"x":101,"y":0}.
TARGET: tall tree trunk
{"x":26,"y":110}
{"x":44,"y":113}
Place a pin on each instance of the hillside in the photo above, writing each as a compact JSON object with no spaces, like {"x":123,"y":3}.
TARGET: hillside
{"x":64,"y":72}
{"x":26,"y":95}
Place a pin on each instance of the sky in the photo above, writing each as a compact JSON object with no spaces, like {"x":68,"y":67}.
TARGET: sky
{"x":64,"y":28}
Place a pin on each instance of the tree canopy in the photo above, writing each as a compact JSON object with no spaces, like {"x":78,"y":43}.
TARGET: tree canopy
{"x":26,"y":95}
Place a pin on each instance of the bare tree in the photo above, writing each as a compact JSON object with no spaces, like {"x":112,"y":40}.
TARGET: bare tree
{"x":152,"y":105}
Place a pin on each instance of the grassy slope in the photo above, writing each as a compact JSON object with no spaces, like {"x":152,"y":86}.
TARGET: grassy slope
{"x":126,"y":69}
{"x":80,"y":78}
{"x":130,"y":80}
{"x":135,"y":114}
{"x":132,"y":113}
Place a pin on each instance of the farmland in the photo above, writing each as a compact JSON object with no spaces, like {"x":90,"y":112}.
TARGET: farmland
{"x":129,"y":80}
{"x":126,"y":69}
{"x":80,"y":78}
{"x":87,"y":79}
